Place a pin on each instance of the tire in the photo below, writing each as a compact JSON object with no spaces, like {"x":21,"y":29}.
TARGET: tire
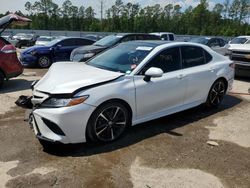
{"x":108,"y":122}
{"x":216,"y":94}
{"x":1,"y":79}
{"x":44,"y":62}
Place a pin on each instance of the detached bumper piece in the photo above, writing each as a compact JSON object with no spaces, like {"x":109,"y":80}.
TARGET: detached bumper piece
{"x":24,"y":102}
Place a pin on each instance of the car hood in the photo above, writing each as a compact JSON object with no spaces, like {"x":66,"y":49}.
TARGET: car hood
{"x":12,"y":19}
{"x":87,"y":49}
{"x":240,"y":47}
{"x":67,"y":77}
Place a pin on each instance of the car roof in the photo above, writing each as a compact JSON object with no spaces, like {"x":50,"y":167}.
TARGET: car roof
{"x":125,"y":34}
{"x":149,"y":43}
{"x":162,"y":33}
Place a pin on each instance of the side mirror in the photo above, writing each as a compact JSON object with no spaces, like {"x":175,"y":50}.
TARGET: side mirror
{"x":153,"y":72}
{"x":58,"y":46}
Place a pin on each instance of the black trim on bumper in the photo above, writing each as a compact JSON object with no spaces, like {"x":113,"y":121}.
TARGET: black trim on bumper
{"x":53,"y":127}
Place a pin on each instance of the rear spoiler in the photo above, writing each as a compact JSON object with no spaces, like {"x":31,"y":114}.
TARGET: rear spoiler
{"x":12,"y":19}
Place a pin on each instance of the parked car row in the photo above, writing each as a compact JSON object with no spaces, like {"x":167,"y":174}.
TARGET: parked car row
{"x":125,"y":80}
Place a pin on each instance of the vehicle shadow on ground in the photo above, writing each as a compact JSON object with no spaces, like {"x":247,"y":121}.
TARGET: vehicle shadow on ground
{"x":244,"y":79}
{"x":143,"y":131}
{"x":16,"y":85}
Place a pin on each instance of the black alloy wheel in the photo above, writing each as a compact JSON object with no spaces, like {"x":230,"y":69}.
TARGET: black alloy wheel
{"x":216,"y":94}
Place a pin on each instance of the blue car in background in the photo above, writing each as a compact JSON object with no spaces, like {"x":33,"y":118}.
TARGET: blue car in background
{"x":54,"y":51}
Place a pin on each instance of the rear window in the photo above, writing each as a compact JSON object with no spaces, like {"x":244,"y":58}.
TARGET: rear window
{"x":192,"y":56}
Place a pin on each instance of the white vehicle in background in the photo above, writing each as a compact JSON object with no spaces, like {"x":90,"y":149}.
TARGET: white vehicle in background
{"x":165,"y":35}
{"x":43,"y":40}
{"x":129,"y":84}
{"x":240,"y":40}
{"x":217,"y":44}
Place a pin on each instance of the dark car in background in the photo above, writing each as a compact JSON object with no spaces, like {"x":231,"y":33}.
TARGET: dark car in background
{"x":25,"y":39}
{"x":54,"y":51}
{"x":86,"y":52}
{"x":216,"y":43}
{"x":10,"y":66}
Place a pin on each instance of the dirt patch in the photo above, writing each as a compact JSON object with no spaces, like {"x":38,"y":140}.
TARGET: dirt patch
{"x":235,"y":127}
{"x":5,"y":167}
{"x":178,"y":178}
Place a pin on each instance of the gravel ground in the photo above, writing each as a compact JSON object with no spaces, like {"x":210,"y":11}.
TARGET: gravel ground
{"x":168,"y":152}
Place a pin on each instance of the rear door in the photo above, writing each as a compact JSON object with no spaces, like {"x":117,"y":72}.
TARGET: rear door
{"x":198,"y":72}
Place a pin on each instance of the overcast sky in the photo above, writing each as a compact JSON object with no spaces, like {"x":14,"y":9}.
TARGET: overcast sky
{"x":14,"y":5}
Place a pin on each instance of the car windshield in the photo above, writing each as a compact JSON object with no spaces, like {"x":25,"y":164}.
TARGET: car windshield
{"x":123,"y":58}
{"x":238,"y":40}
{"x":200,"y":40}
{"x":44,"y":39}
{"x":107,"y":41}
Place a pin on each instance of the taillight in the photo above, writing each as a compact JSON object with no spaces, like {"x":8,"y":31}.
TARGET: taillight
{"x":8,"y":49}
{"x":232,"y":65}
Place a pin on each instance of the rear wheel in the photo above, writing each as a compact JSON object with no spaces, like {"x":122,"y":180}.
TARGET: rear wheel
{"x":108,"y":122}
{"x":216,"y":94}
{"x":44,"y":62}
{"x":1,"y":79}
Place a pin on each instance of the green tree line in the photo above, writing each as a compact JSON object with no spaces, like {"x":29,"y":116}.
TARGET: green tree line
{"x":229,"y":19}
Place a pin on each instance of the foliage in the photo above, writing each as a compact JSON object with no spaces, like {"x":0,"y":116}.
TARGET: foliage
{"x":230,"y":18}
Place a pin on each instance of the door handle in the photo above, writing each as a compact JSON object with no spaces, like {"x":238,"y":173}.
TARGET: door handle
{"x":181,"y":76}
{"x":212,"y":69}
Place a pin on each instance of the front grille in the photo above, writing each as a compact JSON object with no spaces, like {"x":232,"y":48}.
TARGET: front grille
{"x":234,"y":58}
{"x":240,"y":52}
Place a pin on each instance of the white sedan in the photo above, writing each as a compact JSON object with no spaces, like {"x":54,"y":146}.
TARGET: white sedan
{"x":129,"y":84}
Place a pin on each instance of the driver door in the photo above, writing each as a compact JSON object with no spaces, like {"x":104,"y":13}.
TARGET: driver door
{"x":161,"y":96}
{"x":63,"y":49}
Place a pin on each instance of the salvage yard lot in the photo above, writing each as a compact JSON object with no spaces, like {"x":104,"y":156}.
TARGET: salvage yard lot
{"x":168,"y":152}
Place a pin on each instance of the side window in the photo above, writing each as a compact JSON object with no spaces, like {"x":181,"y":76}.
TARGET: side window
{"x":214,"y":43}
{"x":168,"y":60}
{"x":140,"y":37}
{"x":128,"y":38}
{"x":222,"y":42}
{"x":171,"y":37}
{"x":83,"y":42}
{"x":192,"y":56}
{"x":68,"y":42}
{"x":152,"y":37}
{"x":164,"y":37}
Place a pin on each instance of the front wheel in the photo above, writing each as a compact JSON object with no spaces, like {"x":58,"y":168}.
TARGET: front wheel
{"x":108,"y":122}
{"x":216,"y":94}
{"x":44,"y":62}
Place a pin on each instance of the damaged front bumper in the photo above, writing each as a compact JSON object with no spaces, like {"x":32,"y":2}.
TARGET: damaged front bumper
{"x":24,"y":102}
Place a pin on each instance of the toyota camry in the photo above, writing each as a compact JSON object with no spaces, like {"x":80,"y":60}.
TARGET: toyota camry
{"x":131,"y":83}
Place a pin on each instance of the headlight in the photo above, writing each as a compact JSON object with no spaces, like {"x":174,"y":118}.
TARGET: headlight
{"x":79,"y":57}
{"x":88,"y":55}
{"x":57,"y":103}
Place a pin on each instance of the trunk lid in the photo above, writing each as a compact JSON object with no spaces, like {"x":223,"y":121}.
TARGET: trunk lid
{"x":12,"y":19}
